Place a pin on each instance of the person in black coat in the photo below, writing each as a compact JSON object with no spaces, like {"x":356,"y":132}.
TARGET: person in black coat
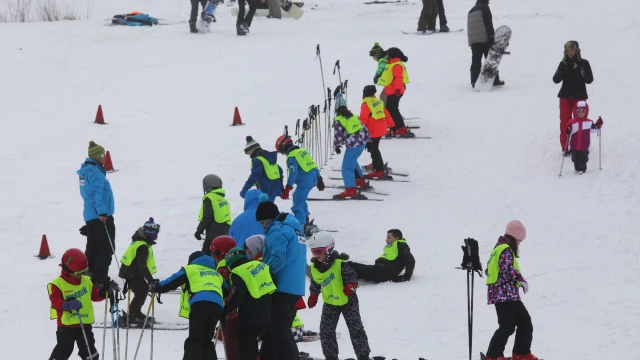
{"x":480,"y":33}
{"x":395,"y":258}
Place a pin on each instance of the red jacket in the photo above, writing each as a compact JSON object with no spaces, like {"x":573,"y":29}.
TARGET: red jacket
{"x":57,"y":299}
{"x":580,"y":133}
{"x":377,"y":128}
{"x":397,"y":84}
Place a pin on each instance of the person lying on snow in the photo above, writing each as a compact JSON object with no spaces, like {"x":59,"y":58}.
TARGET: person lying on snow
{"x":395,"y":258}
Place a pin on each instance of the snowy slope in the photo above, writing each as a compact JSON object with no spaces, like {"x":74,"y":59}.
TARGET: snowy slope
{"x":168,"y":97}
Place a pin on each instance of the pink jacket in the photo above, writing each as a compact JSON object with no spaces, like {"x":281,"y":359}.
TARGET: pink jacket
{"x":580,"y":136}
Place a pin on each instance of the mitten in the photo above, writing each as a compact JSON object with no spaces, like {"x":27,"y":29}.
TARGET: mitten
{"x":524,"y":284}
{"x":312,"y":301}
{"x":599,"y":123}
{"x":350,"y":289}
{"x":84,"y":231}
{"x":398,"y":92}
{"x":320,"y":185}
{"x":198,"y":235}
{"x":300,"y":305}
{"x":243,"y":193}
{"x":375,"y":79}
{"x":338,"y":151}
{"x":568,"y":129}
{"x":72,"y":304}
{"x":285,"y":192}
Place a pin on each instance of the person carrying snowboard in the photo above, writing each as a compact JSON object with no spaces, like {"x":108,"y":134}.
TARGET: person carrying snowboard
{"x":138,"y":266}
{"x":376,"y":119}
{"x":379,"y":55}
{"x":574,"y":72}
{"x":207,"y":15}
{"x":266,"y":174}
{"x":200,"y":302}
{"x":395,"y":78}
{"x":71,"y":295}
{"x":480,"y":35}
{"x":243,"y":23}
{"x":215,"y":212}
{"x":337,"y":282}
{"x":395,"y":258}
{"x":302,"y":172}
{"x":503,"y":279}
{"x":579,"y":133}
{"x":348,"y":129}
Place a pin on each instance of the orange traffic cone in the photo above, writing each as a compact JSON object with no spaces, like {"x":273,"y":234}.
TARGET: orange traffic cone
{"x":44,"y":249}
{"x":236,"y":118}
{"x":108,"y":164}
{"x":99,"y":117}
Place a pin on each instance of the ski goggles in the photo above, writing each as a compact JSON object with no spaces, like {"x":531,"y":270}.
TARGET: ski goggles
{"x":319,"y":251}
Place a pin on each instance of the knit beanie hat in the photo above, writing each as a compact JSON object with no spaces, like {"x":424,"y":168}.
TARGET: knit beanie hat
{"x":377,"y":51}
{"x":194,"y":255}
{"x":266,"y":209}
{"x":255,"y":244}
{"x":516,"y":230}
{"x":340,"y":102}
{"x":151,"y":229}
{"x":369,"y":90}
{"x":95,"y":151}
{"x":251,"y":146}
{"x":233,"y":256}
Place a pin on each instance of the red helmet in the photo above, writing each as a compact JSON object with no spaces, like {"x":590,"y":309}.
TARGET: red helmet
{"x":74,"y":261}
{"x":283,"y":143}
{"x":221,"y":245}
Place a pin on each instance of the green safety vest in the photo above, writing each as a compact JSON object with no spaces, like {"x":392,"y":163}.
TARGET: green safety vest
{"x":391,"y":251}
{"x":220,"y":205}
{"x":387,"y":74}
{"x":257,"y":278}
{"x":222,"y":263}
{"x":305,"y":161}
{"x":331,"y":283}
{"x":272,"y":171}
{"x":81,"y":292}
{"x":200,"y":278}
{"x":376,"y":107}
{"x":352,"y":125}
{"x":493,"y":265}
{"x":297,"y":322}
{"x":130,"y":254}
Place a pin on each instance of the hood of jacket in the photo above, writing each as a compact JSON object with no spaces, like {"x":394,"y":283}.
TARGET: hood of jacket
{"x":252,"y":199}
{"x":271,"y":156}
{"x":88,"y":165}
{"x":204,"y":260}
{"x":289,"y":220}
{"x":575,"y":114}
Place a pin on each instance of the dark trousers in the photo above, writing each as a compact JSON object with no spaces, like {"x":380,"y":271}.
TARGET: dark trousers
{"x":278,"y":342}
{"x":140,"y":289}
{"x":329,"y":322}
{"x":252,"y":10}
{"x":376,"y":273}
{"x":580,"y":159}
{"x":99,"y":250}
{"x":67,"y":337}
{"x":441,"y":15}
{"x":376,"y":156}
{"x":511,"y":315}
{"x":393,"y":106}
{"x":478,"y":50}
{"x":202,"y":326}
{"x":248,"y":342}
{"x":428,"y":15}
{"x":194,"y":9}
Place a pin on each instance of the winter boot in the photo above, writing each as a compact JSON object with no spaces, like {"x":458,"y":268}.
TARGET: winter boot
{"x":401,"y":131}
{"x":523,"y":357}
{"x":444,"y":28}
{"x":192,"y":27}
{"x":361,"y":182}
{"x":368,"y":167}
{"x":375,"y":174}
{"x":349,"y":192}
{"x":245,"y":27}
{"x":240,"y":31}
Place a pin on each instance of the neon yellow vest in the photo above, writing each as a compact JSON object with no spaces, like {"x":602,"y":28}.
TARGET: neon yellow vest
{"x":493,"y":266}
{"x":272,"y":171}
{"x":387,"y":75}
{"x":200,"y":278}
{"x":391,"y":251}
{"x":130,"y":254}
{"x":331,"y":283}
{"x":376,"y":107}
{"x":297,"y":322}
{"x":222,"y":263}
{"x":81,"y":292}
{"x":352,"y":125}
{"x":305,"y":161}
{"x":257,"y":278}
{"x":220,"y":205}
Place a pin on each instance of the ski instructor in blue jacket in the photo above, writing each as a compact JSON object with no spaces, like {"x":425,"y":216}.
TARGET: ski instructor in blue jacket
{"x":99,"y":207}
{"x":266,"y":174}
{"x":245,"y":224}
{"x":284,"y":251}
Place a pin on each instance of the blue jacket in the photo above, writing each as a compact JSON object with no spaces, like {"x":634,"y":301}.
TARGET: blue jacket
{"x":245,"y":224}
{"x":95,"y":190}
{"x":272,"y":188}
{"x":301,"y":178}
{"x":285,"y":254}
{"x":176,"y":280}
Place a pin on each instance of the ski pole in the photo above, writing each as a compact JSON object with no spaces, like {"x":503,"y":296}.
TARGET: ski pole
{"x":153,"y":316}
{"x":113,"y":249}
{"x":126,"y":337}
{"x":144,"y":325}
{"x":114,"y":324}
{"x":600,"y":148}
{"x":321,"y":70}
{"x":104,"y":326}
{"x":561,"y":165}
{"x":84,"y":334}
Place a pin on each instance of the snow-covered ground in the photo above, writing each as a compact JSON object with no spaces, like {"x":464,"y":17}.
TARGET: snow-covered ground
{"x":169,"y":96}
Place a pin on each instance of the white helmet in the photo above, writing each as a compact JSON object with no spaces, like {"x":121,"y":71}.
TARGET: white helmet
{"x":321,"y":239}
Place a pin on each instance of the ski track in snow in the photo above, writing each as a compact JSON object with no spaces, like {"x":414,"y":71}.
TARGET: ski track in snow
{"x":168,"y":98}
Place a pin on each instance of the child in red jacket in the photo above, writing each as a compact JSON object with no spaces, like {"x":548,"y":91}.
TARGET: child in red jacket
{"x":579,"y":136}
{"x":377,"y":119}
{"x":394,"y":78}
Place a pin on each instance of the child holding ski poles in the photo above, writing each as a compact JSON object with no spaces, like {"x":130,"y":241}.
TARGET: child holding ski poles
{"x":579,"y":136}
{"x":376,"y":119}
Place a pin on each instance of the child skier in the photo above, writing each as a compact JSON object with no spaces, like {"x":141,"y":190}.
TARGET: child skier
{"x":338,"y":283}
{"x":503,"y":280}
{"x":396,"y":257}
{"x":215,"y":212}
{"x":71,"y":295}
{"x":348,"y":129}
{"x":266,"y":174}
{"x":138,"y":266}
{"x":201,"y":303}
{"x":579,"y":133}
{"x":379,"y":55}
{"x":303,"y":172}
{"x":253,"y":247}
{"x":376,"y":119}
{"x":252,"y":286}
{"x":394,"y":78}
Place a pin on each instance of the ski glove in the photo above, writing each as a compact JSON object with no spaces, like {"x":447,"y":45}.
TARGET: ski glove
{"x":154,"y":285}
{"x":300,"y":305}
{"x":375,"y":79}
{"x":599,"y":123}
{"x":84,"y":231}
{"x":198,"y":235}
{"x":312,"y":301}
{"x":568,"y":129}
{"x":285,"y":192}
{"x":350,"y":289}
{"x":525,"y":285}
{"x":72,"y":304}
{"x":320,"y":185}
{"x":224,"y":272}
{"x":337,"y":150}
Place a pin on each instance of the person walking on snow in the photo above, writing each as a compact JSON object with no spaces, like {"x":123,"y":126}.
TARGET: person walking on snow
{"x":348,"y":129}
{"x":579,"y":133}
{"x":394,"y":78}
{"x":337,"y":282}
{"x":480,"y":33}
{"x":443,"y":17}
{"x":574,"y":72}
{"x":266,"y":174}
{"x":302,"y":172}
{"x":138,"y":267}
{"x":243,"y":23}
{"x":99,"y":208}
{"x":379,"y":55}
{"x":207,"y":15}
{"x":215,"y":212}
{"x":245,"y":224}
{"x":376,"y":119}
{"x":504,"y":277}
{"x":427,"y":21}
{"x":395,"y":258}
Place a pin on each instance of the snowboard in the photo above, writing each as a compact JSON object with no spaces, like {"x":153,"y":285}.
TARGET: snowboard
{"x":492,"y":62}
{"x":292,"y":9}
{"x":437,"y":32}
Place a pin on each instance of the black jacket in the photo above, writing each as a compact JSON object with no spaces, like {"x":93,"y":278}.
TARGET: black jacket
{"x":208,"y":223}
{"x":138,"y":268}
{"x":405,"y":261}
{"x":573,"y":80}
{"x":480,"y":24}
{"x":251,"y":312}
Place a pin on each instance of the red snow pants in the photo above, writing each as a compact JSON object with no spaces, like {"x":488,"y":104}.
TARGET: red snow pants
{"x":566,"y":114}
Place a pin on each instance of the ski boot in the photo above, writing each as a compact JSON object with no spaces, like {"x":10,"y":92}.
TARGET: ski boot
{"x":404,"y":132}
{"x":391,"y":133}
{"x":361,"y":182}
{"x":349,"y":193}
{"x":523,"y":357}
{"x":496,"y":358}
{"x":192,"y":27}
{"x":376,"y":174}
{"x":310,"y":229}
{"x":367,"y":167}
{"x":245,"y":27}
{"x":444,"y":28}
{"x":240,"y":30}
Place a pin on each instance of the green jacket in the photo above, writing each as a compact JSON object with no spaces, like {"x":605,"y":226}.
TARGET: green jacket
{"x":381,"y":64}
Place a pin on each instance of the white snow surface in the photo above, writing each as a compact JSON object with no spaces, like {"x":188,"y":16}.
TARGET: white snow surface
{"x":169,"y":96}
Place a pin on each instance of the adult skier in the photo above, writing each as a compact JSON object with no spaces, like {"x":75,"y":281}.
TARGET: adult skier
{"x":348,"y":129}
{"x":480,"y":33}
{"x":376,"y":119}
{"x":245,"y":224}
{"x":266,"y":174}
{"x":215,"y":212}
